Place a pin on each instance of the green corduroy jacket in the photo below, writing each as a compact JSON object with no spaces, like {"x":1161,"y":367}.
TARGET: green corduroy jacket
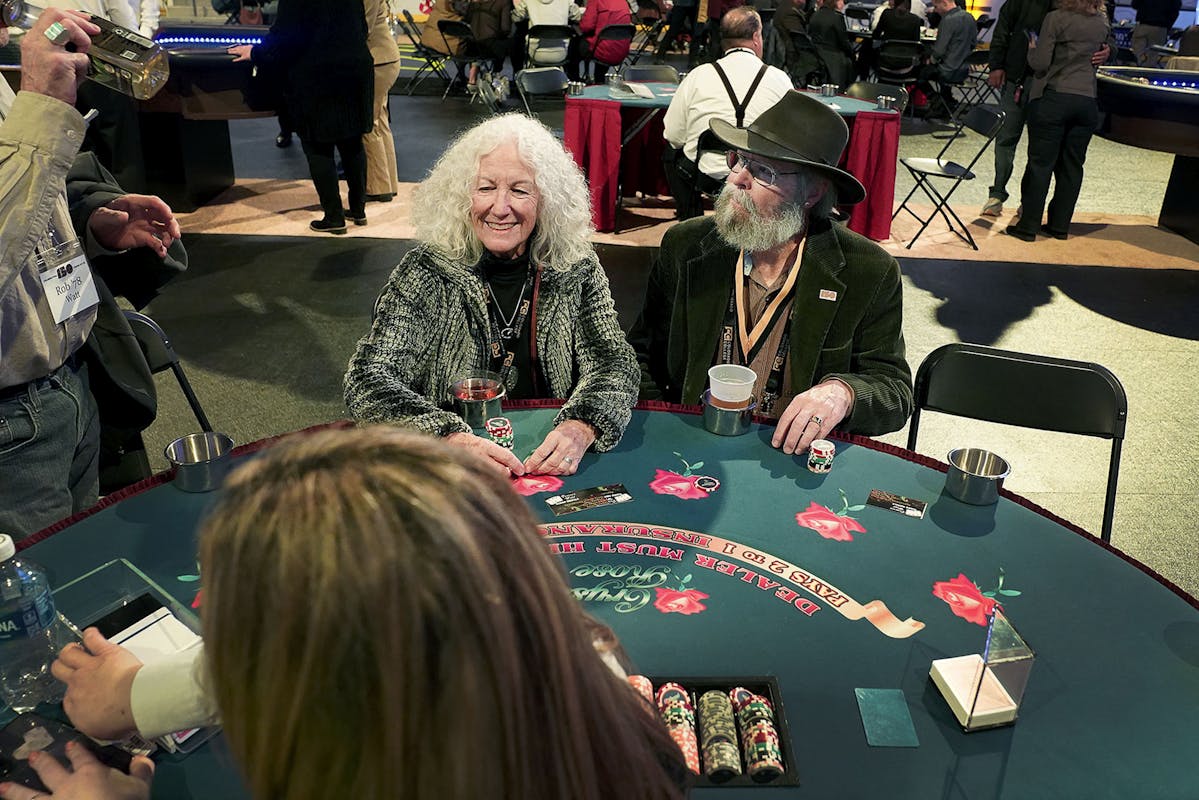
{"x":856,"y":338}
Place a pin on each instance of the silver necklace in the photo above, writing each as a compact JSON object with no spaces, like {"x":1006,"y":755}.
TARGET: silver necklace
{"x":506,"y":331}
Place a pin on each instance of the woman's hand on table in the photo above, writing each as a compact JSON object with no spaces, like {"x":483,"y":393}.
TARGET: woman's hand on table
{"x":99,"y":678}
{"x":498,"y":457}
{"x":85,"y":779}
{"x":811,"y":415}
{"x":562,"y":449}
{"x":241,"y":52}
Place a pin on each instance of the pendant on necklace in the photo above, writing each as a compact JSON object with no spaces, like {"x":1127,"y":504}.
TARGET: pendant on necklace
{"x":507,"y":333}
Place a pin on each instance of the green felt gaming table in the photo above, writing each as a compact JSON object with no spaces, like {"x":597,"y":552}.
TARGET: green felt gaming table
{"x":733,"y":559}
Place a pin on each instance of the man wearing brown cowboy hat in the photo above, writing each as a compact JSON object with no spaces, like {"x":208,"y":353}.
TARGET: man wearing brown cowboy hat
{"x":815,"y":310}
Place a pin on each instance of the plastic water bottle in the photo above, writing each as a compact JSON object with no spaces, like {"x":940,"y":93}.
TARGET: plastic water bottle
{"x":28,"y":624}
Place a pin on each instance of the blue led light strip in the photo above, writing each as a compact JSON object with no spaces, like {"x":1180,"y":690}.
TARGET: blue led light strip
{"x":208,"y":40}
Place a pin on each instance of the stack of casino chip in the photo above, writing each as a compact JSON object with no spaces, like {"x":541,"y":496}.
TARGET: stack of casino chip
{"x":759,"y":737}
{"x":718,"y":737}
{"x":676,"y":710}
{"x":643,"y":686}
{"x":500,"y":431}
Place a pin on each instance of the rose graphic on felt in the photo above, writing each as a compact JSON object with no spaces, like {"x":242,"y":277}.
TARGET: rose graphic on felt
{"x":682,"y":486}
{"x":685,"y":485}
{"x":964,"y":599}
{"x":676,"y":601}
{"x":838,"y":526}
{"x":528,"y":485}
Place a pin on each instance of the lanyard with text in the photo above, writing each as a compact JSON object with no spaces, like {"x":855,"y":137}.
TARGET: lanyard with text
{"x":497,"y":348}
{"x":752,"y":340}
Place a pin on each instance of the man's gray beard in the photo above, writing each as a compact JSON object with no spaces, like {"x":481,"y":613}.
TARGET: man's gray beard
{"x":747,"y":228}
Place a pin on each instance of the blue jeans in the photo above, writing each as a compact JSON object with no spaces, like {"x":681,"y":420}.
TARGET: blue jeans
{"x":49,"y":451}
{"x":1007,"y":140}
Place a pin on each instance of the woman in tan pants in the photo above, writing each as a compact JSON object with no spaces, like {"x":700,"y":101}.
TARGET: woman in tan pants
{"x":382,"y":182}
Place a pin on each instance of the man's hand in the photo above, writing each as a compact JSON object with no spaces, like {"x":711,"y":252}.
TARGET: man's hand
{"x":50,"y":69}
{"x":135,"y":220}
{"x":240,"y":52}
{"x":1100,"y":56}
{"x":811,"y":415}
{"x":996,"y":78}
{"x":87,"y":779}
{"x":562,"y":449}
{"x":99,"y":679}
{"x":500,"y":458}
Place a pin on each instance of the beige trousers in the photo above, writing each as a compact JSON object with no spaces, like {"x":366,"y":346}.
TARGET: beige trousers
{"x":381,"y":177}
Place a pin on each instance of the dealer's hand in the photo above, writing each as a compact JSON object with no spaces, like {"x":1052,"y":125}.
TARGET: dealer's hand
{"x":87,"y":779}
{"x":562,"y":450}
{"x":240,"y":51}
{"x":812,"y":414}
{"x":135,"y":220}
{"x":51,"y":69}
{"x":501,"y":458}
{"x":99,"y":679}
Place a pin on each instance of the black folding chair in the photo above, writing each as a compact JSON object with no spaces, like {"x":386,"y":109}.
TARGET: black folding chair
{"x":975,"y":91}
{"x":649,"y":35}
{"x":467,"y":55}
{"x":806,"y":65}
{"x":985,"y":25}
{"x":896,"y":62}
{"x":547,"y":81}
{"x":433,"y":61}
{"x":613,"y":33}
{"x":983,"y":120}
{"x":161,"y":356}
{"x":866,"y":90}
{"x":1031,"y":391}
{"x":643,"y":73}
{"x":547,"y":45}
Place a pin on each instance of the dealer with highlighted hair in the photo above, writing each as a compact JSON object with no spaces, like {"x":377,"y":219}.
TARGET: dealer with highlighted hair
{"x":771,"y":282}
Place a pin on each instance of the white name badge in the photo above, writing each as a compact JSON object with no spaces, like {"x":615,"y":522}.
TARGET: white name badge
{"x":69,"y":286}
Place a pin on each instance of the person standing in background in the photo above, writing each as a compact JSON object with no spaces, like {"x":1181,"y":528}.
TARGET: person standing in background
{"x":1062,"y":114}
{"x":319,"y":46}
{"x":382,"y":179}
{"x":1155,"y":18}
{"x":145,"y":15}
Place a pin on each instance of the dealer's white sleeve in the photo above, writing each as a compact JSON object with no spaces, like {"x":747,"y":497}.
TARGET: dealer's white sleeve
{"x":170,"y":695}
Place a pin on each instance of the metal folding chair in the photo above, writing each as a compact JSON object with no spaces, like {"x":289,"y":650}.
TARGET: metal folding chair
{"x":548,"y":81}
{"x":983,"y":120}
{"x":161,"y":356}
{"x":1030,"y":391}
{"x":614,"y":33}
{"x":866,"y":90}
{"x":547,"y":45}
{"x":433,"y":60}
{"x":642,"y":73}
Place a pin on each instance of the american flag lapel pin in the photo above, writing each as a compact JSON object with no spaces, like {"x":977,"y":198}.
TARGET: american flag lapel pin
{"x":828,"y":294}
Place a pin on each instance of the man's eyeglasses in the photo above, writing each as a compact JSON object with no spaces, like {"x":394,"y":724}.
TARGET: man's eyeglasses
{"x":762,"y":173}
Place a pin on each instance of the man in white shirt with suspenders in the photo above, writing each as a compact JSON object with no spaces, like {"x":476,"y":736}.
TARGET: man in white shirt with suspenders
{"x":736,"y":88}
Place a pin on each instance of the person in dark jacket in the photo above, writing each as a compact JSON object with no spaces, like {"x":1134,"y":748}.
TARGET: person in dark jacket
{"x":1155,"y":18}
{"x":831,"y":37}
{"x":897,"y":23}
{"x":320,"y":46}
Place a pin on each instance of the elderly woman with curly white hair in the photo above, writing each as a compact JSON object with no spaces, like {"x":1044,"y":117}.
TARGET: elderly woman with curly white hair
{"x":504,"y":278}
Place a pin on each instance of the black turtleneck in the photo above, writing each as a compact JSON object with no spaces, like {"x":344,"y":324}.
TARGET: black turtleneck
{"x":507,"y":278}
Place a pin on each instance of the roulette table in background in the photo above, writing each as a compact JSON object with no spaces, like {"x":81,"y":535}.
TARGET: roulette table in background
{"x":732,"y":560}
{"x":1158,"y":109}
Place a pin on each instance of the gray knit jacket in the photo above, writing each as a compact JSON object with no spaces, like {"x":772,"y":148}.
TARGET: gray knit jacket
{"x":430,"y":324}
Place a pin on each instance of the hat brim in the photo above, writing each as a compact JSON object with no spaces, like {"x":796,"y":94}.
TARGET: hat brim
{"x":849,"y":189}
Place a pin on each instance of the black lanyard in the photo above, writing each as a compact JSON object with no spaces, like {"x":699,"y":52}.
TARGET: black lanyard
{"x":728,"y":339}
{"x":501,"y":356}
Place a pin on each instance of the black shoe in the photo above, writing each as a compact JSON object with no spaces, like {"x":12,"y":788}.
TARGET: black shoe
{"x":1024,"y":236}
{"x":357,"y":217}
{"x":328,"y":226}
{"x":283,"y":140}
{"x":380,"y":198}
{"x":1055,"y":234}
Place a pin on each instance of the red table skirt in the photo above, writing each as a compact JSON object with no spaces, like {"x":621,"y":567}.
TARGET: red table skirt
{"x":594,"y":129}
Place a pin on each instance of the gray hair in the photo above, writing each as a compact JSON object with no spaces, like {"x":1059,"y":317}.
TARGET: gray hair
{"x":441,"y":203}
{"x":756,"y":232}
